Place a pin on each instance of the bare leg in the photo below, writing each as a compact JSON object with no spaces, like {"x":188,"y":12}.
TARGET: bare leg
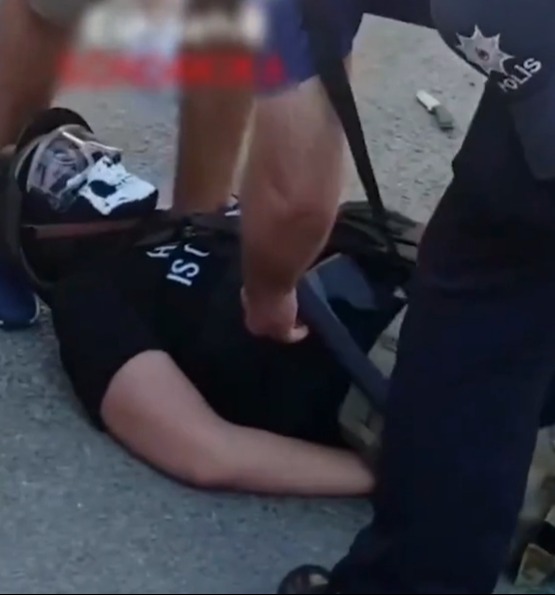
{"x":30,"y":54}
{"x":212,"y":126}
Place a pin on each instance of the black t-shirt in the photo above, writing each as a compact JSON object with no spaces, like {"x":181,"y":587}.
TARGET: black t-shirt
{"x":160,"y":299}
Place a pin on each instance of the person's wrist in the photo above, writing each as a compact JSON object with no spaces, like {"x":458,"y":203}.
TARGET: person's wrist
{"x":266,"y":294}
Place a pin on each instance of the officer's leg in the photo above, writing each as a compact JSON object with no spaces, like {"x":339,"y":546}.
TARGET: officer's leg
{"x":450,"y":516}
{"x":459,"y":438}
{"x":476,"y":359}
{"x":548,"y":413}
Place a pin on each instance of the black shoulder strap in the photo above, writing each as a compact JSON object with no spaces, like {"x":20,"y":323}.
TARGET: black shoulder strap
{"x":324,"y":43}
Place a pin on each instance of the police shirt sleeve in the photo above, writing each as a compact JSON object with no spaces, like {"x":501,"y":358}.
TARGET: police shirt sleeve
{"x":512,"y":43}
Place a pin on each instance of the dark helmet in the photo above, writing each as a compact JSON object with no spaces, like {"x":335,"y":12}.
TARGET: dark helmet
{"x":66,"y":193}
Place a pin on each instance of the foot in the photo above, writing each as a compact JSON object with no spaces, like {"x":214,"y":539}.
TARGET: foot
{"x":19,"y":307}
{"x":305,"y":579}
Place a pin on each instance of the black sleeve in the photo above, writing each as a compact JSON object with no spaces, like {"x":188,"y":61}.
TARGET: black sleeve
{"x":512,"y":43}
{"x":98,"y":331}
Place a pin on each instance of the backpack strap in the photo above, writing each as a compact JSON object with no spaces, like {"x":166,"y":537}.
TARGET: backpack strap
{"x":324,"y":42}
{"x":331,"y":69}
{"x":317,"y":313}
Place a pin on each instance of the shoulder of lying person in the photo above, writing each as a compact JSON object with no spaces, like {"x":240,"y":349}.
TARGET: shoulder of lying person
{"x":180,"y":255}
{"x":214,"y":240}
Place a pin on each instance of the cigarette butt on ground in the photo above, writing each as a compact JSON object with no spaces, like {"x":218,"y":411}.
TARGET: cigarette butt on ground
{"x":441,"y":114}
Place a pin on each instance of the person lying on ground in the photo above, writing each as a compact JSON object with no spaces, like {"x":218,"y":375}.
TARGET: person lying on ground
{"x":153,"y":340}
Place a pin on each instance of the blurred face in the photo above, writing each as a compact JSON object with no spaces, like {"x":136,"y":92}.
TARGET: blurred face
{"x":55,"y":166}
{"x":74,"y":201}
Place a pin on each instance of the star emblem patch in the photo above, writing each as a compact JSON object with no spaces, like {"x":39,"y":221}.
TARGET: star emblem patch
{"x":484,"y":52}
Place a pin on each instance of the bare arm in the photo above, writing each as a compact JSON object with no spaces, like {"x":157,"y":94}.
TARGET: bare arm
{"x":291,"y":189}
{"x":158,"y":414}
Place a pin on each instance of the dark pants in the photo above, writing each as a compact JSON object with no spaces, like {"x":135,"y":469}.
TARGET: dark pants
{"x":475,"y":369}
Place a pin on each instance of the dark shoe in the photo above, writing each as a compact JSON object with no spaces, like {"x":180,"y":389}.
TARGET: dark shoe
{"x":19,"y":307}
{"x":305,"y":579}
